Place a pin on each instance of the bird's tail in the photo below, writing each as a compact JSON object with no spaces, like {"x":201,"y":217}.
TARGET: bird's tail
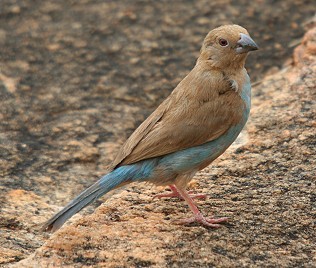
{"x":105,"y":184}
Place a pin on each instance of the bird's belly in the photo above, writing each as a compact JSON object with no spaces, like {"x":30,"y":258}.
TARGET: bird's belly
{"x":198,"y":157}
{"x":185,"y":163}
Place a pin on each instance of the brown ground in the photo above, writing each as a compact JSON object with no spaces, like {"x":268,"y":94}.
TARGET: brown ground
{"x":78,"y":76}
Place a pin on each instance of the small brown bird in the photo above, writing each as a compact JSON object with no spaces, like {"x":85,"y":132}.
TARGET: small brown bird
{"x":199,"y":120}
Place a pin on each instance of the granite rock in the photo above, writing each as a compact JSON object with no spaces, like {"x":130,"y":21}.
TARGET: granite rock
{"x":78,"y":77}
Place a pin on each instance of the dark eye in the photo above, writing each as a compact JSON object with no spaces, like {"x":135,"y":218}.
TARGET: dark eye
{"x":223,"y":42}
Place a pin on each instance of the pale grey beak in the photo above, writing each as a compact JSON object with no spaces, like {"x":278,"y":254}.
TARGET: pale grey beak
{"x":245,"y":44}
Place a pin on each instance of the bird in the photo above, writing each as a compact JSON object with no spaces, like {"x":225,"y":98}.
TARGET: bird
{"x":192,"y":127}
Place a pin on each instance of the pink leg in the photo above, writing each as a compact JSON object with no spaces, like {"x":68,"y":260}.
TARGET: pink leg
{"x":175,"y":193}
{"x":198,"y":217}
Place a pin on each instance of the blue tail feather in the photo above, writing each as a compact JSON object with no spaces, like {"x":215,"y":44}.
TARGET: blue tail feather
{"x":95,"y":191}
{"x":120,"y":176}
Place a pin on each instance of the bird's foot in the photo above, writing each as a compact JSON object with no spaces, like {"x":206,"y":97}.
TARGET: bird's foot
{"x":197,"y":215}
{"x":207,"y":221}
{"x":175,"y":193}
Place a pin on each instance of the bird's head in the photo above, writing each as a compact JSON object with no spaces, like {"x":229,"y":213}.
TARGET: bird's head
{"x":227,"y":47}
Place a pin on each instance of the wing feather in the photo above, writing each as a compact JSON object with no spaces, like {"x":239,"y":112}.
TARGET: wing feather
{"x":199,"y":110}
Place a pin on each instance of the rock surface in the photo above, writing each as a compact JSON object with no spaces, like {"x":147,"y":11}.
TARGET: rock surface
{"x":76,"y":79}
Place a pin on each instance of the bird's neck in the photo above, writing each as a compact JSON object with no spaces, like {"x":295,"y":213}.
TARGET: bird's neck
{"x":229,"y":68}
{"x":230,"y":65}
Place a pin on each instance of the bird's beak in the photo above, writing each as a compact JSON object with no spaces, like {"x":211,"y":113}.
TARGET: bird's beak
{"x":245,"y":44}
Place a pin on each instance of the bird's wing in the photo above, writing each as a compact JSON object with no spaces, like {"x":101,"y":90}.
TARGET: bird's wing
{"x":193,"y":114}
{"x":136,"y":138}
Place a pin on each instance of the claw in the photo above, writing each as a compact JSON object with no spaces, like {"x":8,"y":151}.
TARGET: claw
{"x":197,"y":215}
{"x":207,"y":221}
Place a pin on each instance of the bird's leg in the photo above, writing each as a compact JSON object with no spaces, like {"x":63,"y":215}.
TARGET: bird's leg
{"x":175,"y":193}
{"x":198,"y":217}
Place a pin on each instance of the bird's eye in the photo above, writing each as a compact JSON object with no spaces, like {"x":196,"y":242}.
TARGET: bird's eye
{"x":223,"y":42}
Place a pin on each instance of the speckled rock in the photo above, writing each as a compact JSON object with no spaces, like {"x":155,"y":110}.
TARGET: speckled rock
{"x":78,"y":77}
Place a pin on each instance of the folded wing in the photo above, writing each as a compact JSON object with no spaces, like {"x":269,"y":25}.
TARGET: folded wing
{"x":196,"y":112}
